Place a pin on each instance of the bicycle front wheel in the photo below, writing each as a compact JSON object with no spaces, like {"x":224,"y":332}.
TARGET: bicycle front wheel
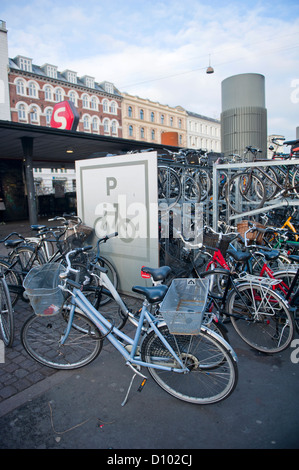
{"x":41,"y":338}
{"x":261,"y":318}
{"x":6,"y":314}
{"x":169,"y":185}
{"x":13,"y":281}
{"x":213,"y":372}
{"x":245,"y":191}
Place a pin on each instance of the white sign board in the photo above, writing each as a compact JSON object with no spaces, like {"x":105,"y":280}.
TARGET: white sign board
{"x":119,"y":194}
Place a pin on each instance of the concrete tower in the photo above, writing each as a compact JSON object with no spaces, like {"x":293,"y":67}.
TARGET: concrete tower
{"x":244,"y":116}
{"x":4,"y":91}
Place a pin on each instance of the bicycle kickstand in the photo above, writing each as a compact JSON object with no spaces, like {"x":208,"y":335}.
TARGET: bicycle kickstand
{"x":136,"y":370}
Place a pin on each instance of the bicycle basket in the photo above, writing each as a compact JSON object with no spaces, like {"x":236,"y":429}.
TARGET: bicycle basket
{"x":184,"y":306}
{"x":255,"y":236}
{"x":76,"y":235}
{"x":41,"y":286}
{"x":212,"y":239}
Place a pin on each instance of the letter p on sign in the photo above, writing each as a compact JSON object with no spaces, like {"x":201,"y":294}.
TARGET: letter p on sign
{"x":65,"y":116}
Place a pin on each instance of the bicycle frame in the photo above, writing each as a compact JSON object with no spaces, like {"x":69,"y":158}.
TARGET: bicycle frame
{"x":112,"y":333}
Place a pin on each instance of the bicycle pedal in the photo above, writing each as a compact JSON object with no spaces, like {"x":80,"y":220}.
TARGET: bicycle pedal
{"x":140,"y":388}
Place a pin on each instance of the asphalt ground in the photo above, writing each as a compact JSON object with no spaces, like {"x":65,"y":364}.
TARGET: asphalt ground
{"x":41,"y":408}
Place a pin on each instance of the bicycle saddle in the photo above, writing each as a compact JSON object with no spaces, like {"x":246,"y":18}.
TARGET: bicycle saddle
{"x":13,"y":243}
{"x":241,"y":256}
{"x":38,"y":227}
{"x":153,"y":294}
{"x":158,"y":274}
{"x":270,"y":255}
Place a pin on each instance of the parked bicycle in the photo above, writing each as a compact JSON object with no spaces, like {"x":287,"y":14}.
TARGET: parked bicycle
{"x":199,"y":369}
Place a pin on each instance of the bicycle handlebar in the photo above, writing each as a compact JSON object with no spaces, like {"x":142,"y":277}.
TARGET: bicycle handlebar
{"x":10,"y":235}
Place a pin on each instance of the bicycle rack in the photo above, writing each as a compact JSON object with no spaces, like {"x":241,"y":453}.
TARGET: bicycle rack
{"x":269,"y":205}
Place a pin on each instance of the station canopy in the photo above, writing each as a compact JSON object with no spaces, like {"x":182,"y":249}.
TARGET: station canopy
{"x":51,"y":146}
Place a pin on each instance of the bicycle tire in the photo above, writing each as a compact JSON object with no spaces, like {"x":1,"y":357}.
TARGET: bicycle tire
{"x":41,"y":338}
{"x":235,"y":195}
{"x":295,"y":182}
{"x":270,"y":187}
{"x":113,"y":276}
{"x":6,"y":314}
{"x":263,"y":321}
{"x":169,"y":186}
{"x":13,"y":281}
{"x":203,"y":178}
{"x":28,"y":258}
{"x":191,"y":190}
{"x":207,"y":381}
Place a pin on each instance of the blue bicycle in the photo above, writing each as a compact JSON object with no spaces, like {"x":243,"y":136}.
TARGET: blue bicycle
{"x":196,"y":368}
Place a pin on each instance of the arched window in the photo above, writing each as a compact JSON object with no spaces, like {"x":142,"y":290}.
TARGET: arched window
{"x":153,"y":134}
{"x":95,"y":124}
{"x":22,"y":112}
{"x":58,"y":95}
{"x":114,"y":127}
{"x":48,"y":116}
{"x":20,"y":87}
{"x":105,"y":106}
{"x":142,"y":133}
{"x":48,"y":93}
{"x":131,"y":131}
{"x":86,"y":123}
{"x":130,"y":111}
{"x":32,"y":90}
{"x":34,"y":114}
{"x":113,"y":107}
{"x":141,"y":114}
{"x":162,"y":118}
{"x":94,"y":103}
{"x":85,"y":101}
{"x":106,"y":126}
{"x":73,"y":97}
{"x":152,"y":117}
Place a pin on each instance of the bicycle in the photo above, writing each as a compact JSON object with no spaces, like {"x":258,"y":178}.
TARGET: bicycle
{"x":259,"y":315}
{"x":199,"y":369}
{"x":6,"y":313}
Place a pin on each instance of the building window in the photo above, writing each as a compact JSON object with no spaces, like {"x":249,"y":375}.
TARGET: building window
{"x":153,"y":134}
{"x":131,"y":131}
{"x":105,"y":106}
{"x":20,"y":87}
{"x":114,"y":127}
{"x":130,"y":111}
{"x":48,"y":116}
{"x":85,"y":101}
{"x":73,"y":97}
{"x":152,"y":117}
{"x":25,"y":64}
{"x":32,"y":90}
{"x":180,"y":124}
{"x":171,"y":122}
{"x":48,"y":93}
{"x":58,"y":95}
{"x":142,"y":133}
{"x":106,"y":126}
{"x":95,"y":124}
{"x":51,"y":71}
{"x":94,"y":103}
{"x":86,"y":123}
{"x":33,"y":115}
{"x":162,"y":118}
{"x":21,"y":112}
{"x":109,"y":87}
{"x":113,"y":107}
{"x":141,"y":114}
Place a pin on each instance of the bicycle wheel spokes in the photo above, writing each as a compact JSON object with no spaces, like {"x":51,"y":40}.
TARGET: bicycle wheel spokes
{"x":261,"y":318}
{"x":41,"y":337}
{"x":212,"y":372}
{"x":169,"y":186}
{"x":243,"y":191}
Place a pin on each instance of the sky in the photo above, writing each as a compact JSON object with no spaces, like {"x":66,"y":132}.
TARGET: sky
{"x":160,"y":49}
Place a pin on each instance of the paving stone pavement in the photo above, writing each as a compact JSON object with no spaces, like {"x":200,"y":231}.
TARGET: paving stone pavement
{"x":19,"y":371}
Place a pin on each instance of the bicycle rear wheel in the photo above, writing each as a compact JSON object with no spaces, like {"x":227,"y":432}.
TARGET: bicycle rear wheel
{"x":261,"y":318}
{"x":6,"y":314}
{"x":13,"y":281}
{"x":243,"y":191}
{"x":169,"y":185}
{"x":41,"y":338}
{"x":213,"y":372}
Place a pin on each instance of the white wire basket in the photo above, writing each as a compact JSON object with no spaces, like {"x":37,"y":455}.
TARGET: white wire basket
{"x":41,"y":287}
{"x":184,"y":306}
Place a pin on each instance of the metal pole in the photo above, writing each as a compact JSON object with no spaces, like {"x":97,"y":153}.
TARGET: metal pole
{"x":27,"y":144}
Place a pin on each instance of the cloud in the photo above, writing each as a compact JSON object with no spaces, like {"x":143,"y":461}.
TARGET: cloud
{"x":160,"y":49}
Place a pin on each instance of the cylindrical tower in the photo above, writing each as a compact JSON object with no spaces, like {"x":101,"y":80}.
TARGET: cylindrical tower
{"x":244,"y":116}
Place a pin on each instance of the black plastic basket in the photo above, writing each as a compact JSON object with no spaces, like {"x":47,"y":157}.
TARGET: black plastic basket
{"x":212,"y":240}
